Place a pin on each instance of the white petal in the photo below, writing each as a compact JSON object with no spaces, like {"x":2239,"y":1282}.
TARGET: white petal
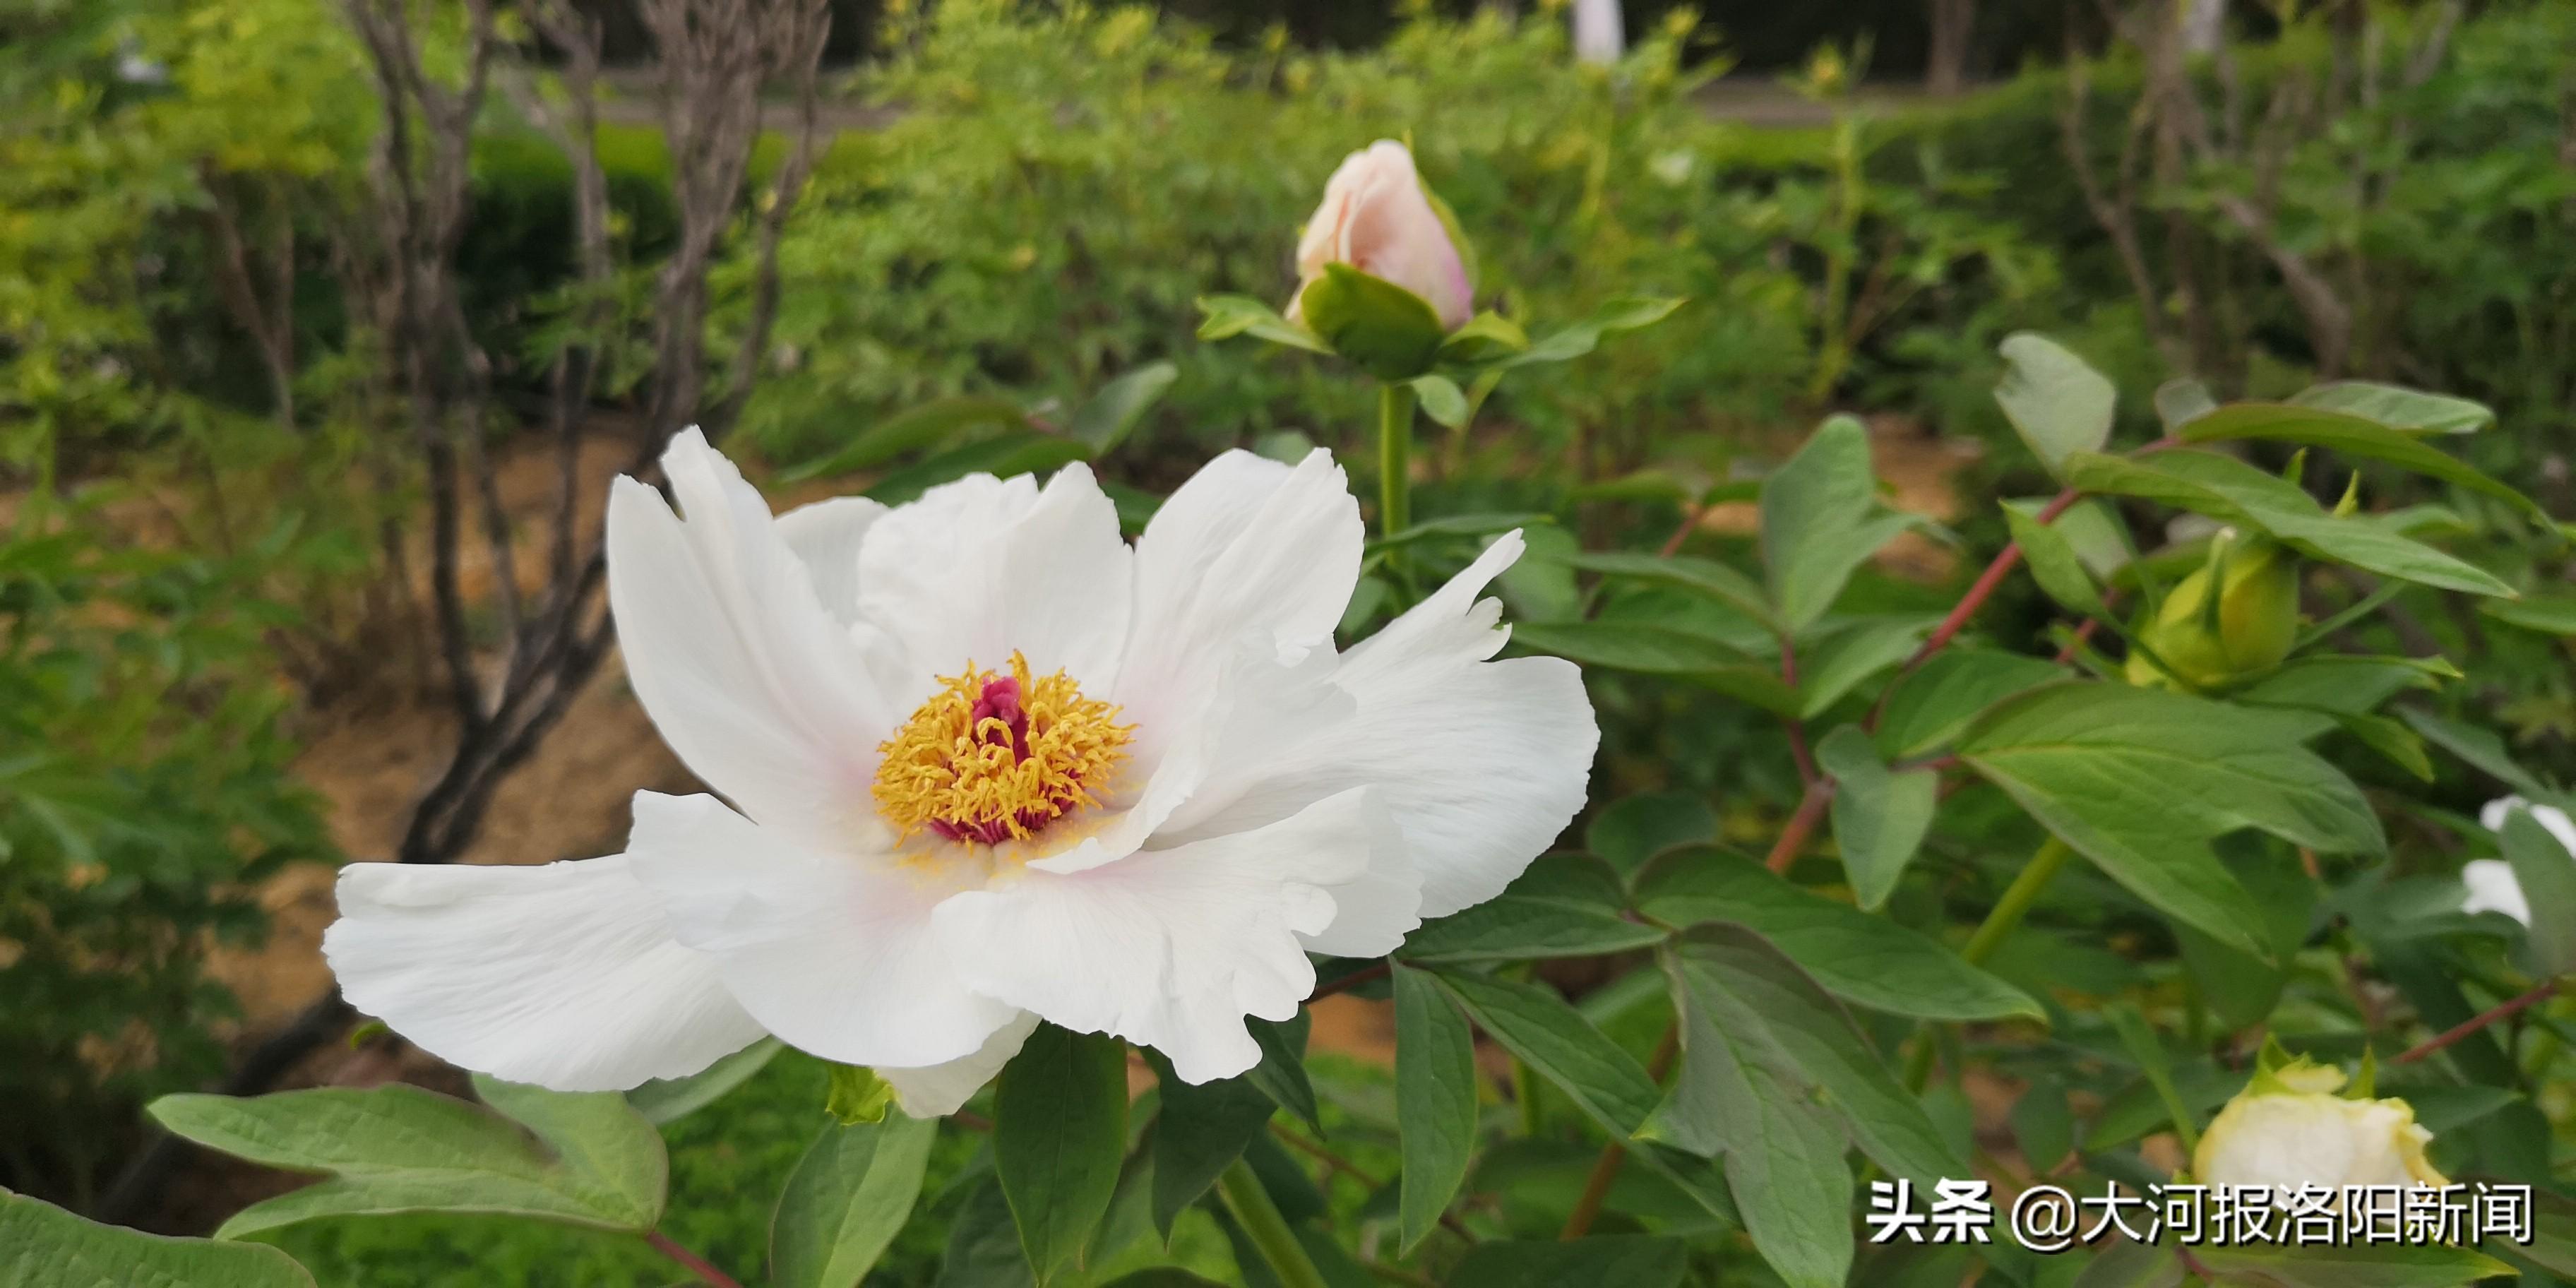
{"x":2493,"y":888}
{"x":1481,"y":763}
{"x":564,"y":975}
{"x":1246,"y":550}
{"x":825,"y":536}
{"x":1171,"y":948}
{"x":837,"y":954}
{"x":746,"y":676}
{"x":939,"y":1089}
{"x":981,"y":567}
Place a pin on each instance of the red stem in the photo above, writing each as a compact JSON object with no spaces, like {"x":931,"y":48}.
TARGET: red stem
{"x":2479,"y":1021}
{"x":1793,"y":837}
{"x":1348,"y":982}
{"x":2005,"y":561}
{"x":696,"y":1264}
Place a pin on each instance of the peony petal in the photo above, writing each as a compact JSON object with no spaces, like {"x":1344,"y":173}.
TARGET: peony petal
{"x":2494,"y":888}
{"x":564,"y":975}
{"x":1480,"y":763}
{"x":836,"y":954}
{"x":1247,"y":552}
{"x":939,"y":1089}
{"x":732,"y":653}
{"x":981,"y":567}
{"x":825,"y":537}
{"x":1171,"y":948}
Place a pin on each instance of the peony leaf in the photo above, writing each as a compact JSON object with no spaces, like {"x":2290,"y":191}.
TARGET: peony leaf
{"x":2352,"y":435}
{"x":1060,"y":1130}
{"x":592,"y":1160}
{"x":41,"y":1244}
{"x":845,"y":1201}
{"x":1389,"y":332}
{"x":1821,"y":520}
{"x":1282,"y":1072}
{"x":2398,"y":408}
{"x":1601,"y":1261}
{"x":1112,"y":412}
{"x":1555,"y":1041}
{"x":1198,"y":1133}
{"x":665,"y":1100}
{"x":2056,"y":401}
{"x":1564,"y":905}
{"x":2541,"y":864}
{"x":1435,"y":1102}
{"x":1880,"y":815}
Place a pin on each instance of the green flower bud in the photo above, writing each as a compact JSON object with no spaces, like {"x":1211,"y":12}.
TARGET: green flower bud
{"x":2246,"y":630}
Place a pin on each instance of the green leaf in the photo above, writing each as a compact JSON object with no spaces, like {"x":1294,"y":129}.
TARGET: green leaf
{"x":983,"y":1249}
{"x":2398,"y":408}
{"x":2351,"y":435}
{"x":1162,"y":1277}
{"x":1555,"y":1041}
{"x":43,"y":1246}
{"x":1622,"y":313}
{"x":1564,"y":905}
{"x":1700,"y":576}
{"x":2541,"y":864}
{"x":1113,"y":411}
{"x":2358,"y":1265}
{"x":2340,"y":683}
{"x":2138,"y":780}
{"x":2180,"y":402}
{"x":2549,"y":614}
{"x":2055,"y":565}
{"x":1281,"y":1075}
{"x":665,"y":1100}
{"x":1461,"y":525}
{"x":930,"y":423}
{"x":1880,"y":816}
{"x":1225,"y":316}
{"x":1435,"y":1103}
{"x":1622,"y":645}
{"x":1061,"y":1125}
{"x":856,"y":1094}
{"x":1633,"y":829}
{"x":1389,"y":332}
{"x":1441,"y":400}
{"x":2148,"y":1051}
{"x":1852,"y":655}
{"x":1821,"y":520}
{"x":2241,"y":988}
{"x":2129,"y":1264}
{"x":1485,"y":337}
{"x":1601,"y":1261}
{"x":1933,"y":703}
{"x":1018,"y":452}
{"x":2234,"y":492}
{"x":2043,"y":1124}
{"x":845,"y":1201}
{"x":1740,"y":1097}
{"x":2481,"y":748}
{"x":1199,"y":1133}
{"x":593,"y":1160}
{"x":1868,"y":961}
{"x":2056,"y":401}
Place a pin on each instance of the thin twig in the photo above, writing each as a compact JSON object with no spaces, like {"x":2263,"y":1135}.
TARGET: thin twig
{"x":697,"y":1265}
{"x":2502,"y":1010}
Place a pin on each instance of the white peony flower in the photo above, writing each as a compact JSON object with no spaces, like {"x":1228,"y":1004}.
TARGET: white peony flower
{"x":982,"y":763}
{"x":2289,"y":1130}
{"x":2492,"y":885}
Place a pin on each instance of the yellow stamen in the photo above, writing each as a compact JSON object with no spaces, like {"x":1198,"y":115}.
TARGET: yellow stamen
{"x":992,"y":779}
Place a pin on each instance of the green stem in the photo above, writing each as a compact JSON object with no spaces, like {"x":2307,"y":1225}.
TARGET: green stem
{"x":1268,"y":1230}
{"x":1394,"y":459}
{"x":2018,"y":897}
{"x":2000,"y":922}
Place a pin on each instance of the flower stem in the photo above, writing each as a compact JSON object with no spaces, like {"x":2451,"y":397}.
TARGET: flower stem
{"x":1394,"y":458}
{"x":2000,"y":922}
{"x":1268,"y":1230}
{"x":1614,"y":1156}
{"x":697,"y":1265}
{"x":2478,"y":1021}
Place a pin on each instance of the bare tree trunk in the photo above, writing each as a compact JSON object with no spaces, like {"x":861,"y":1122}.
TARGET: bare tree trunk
{"x":1945,"y":63}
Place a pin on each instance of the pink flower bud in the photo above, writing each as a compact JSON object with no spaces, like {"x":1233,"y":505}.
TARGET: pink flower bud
{"x":1377,"y":218}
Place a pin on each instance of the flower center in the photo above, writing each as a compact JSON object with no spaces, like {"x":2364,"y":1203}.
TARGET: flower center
{"x":994,"y":757}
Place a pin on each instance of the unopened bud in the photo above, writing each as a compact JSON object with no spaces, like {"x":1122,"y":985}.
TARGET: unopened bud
{"x":2248,"y":630}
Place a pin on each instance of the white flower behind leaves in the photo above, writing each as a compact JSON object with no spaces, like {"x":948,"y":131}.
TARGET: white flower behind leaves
{"x":2492,"y":885}
{"x":2289,"y":1129}
{"x":979,"y":762}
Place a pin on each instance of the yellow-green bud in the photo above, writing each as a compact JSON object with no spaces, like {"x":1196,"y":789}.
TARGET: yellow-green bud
{"x":2249,"y":630}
